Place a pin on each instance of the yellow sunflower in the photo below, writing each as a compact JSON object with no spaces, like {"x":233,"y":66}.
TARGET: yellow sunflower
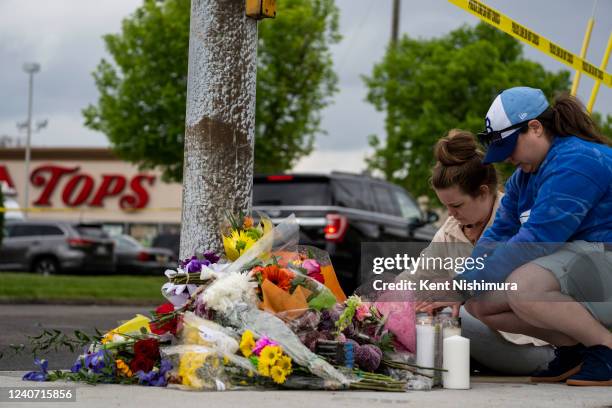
{"x":278,"y":375}
{"x":247,"y":343}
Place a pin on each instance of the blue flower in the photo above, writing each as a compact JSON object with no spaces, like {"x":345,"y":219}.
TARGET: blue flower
{"x":155,"y":378}
{"x":93,"y":361}
{"x":41,"y":375}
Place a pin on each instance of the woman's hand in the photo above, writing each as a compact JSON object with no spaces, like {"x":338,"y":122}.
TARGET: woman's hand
{"x":432,"y":301}
{"x":432,"y":307}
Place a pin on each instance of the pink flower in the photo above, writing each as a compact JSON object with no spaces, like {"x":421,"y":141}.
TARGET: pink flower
{"x":363,"y":311}
{"x":313,"y":270}
{"x":261,"y":343}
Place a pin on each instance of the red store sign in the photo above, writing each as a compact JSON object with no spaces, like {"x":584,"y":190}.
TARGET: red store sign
{"x":79,"y":188}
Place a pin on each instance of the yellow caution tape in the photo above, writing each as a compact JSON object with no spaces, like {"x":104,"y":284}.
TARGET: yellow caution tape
{"x":522,"y":33}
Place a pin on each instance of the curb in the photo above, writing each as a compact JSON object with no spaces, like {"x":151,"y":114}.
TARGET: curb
{"x":79,"y":302}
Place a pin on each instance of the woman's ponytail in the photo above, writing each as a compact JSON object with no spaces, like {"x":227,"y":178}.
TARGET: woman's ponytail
{"x":568,"y":117}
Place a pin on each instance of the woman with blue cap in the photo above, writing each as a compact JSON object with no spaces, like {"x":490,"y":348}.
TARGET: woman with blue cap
{"x":549,"y":249}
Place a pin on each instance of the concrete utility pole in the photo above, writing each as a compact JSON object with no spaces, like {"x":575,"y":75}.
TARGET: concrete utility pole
{"x":395,"y":22}
{"x":220,"y":121}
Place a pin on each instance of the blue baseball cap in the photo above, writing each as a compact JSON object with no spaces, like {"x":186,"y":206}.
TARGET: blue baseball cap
{"x":509,"y":112}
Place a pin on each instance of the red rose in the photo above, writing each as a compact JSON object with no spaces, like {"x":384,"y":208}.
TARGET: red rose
{"x":167,"y":325}
{"x":317,"y":276}
{"x":140,"y":363}
{"x":147,"y":348}
{"x":164,"y":308}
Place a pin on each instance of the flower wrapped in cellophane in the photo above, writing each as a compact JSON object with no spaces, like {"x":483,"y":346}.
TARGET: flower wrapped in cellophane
{"x":240,"y":232}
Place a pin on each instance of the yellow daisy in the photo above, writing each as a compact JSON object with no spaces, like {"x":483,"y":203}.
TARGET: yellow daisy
{"x":285,"y":364}
{"x":263,"y":368}
{"x":278,"y":375}
{"x":247,"y":343}
{"x":270,"y":354}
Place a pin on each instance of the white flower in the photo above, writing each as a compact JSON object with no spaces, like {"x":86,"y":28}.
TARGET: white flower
{"x":228,"y":290}
{"x":207,"y":273}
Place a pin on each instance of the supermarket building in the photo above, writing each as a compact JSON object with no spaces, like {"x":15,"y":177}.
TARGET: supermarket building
{"x":92,"y":185}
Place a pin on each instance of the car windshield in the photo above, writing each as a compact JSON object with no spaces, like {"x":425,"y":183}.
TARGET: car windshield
{"x":91,"y":231}
{"x":126,"y":241}
{"x":293,"y":192}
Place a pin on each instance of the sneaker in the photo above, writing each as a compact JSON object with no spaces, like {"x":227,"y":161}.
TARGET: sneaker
{"x":596,"y":369}
{"x":566,"y":363}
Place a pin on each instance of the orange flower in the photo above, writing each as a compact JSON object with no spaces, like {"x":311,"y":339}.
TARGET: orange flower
{"x":281,"y":277}
{"x":247,"y":223}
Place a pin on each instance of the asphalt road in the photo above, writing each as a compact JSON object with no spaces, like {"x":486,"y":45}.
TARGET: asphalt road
{"x":19,"y":321}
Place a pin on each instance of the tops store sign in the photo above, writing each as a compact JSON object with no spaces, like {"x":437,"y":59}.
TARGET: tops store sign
{"x":81,"y":189}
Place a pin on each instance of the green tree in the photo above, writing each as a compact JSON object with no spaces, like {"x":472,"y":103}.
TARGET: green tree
{"x":141,"y":107}
{"x":605,"y":125}
{"x":427,"y":87}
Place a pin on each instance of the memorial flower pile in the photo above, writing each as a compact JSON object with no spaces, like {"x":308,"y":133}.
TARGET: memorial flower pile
{"x":266,"y":313}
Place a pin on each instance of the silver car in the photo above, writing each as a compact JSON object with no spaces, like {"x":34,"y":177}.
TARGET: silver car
{"x":50,"y":247}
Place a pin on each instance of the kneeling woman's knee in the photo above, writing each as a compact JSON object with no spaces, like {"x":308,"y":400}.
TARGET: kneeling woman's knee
{"x":525,"y":283}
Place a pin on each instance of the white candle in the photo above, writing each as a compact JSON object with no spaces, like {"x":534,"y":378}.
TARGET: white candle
{"x":451,"y":331}
{"x":456,"y":360}
{"x":426,"y":342}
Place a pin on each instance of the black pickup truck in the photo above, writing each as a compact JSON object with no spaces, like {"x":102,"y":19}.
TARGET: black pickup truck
{"x":339,"y":211}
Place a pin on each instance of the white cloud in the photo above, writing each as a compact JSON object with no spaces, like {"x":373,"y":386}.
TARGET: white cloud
{"x":326,"y":161}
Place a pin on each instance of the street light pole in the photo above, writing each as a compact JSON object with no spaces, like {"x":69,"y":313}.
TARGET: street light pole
{"x":30,"y":68}
{"x":395,"y":22}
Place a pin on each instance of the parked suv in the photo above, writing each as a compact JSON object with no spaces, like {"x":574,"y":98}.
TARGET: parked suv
{"x":339,"y":211}
{"x":49,"y":247}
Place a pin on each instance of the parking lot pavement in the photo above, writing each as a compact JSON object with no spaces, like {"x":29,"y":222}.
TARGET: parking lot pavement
{"x":482,"y":394}
{"x":19,"y":321}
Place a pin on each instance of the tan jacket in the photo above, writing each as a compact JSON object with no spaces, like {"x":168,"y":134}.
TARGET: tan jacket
{"x":460,"y":247}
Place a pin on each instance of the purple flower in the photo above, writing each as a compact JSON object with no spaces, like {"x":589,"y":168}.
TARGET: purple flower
{"x":211,"y":257}
{"x":194,"y":265}
{"x":261,"y":343}
{"x":41,"y":375}
{"x":155,"y":378}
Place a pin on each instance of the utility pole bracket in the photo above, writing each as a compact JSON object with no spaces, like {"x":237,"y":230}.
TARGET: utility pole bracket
{"x":260,"y":9}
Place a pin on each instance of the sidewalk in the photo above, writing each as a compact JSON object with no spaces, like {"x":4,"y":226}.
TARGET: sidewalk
{"x":485,"y":392}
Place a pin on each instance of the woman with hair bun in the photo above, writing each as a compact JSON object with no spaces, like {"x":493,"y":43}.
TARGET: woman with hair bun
{"x":469,"y":190}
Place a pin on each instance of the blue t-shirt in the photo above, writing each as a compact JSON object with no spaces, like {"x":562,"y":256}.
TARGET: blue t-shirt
{"x":568,"y":198}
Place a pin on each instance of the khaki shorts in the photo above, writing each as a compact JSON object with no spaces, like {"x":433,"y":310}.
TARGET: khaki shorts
{"x":584,"y":272}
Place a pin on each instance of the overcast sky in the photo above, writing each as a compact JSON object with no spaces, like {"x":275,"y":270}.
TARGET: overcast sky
{"x":64,"y":36}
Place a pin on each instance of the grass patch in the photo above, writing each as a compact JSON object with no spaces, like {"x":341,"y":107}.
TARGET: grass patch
{"x":121,"y":288}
